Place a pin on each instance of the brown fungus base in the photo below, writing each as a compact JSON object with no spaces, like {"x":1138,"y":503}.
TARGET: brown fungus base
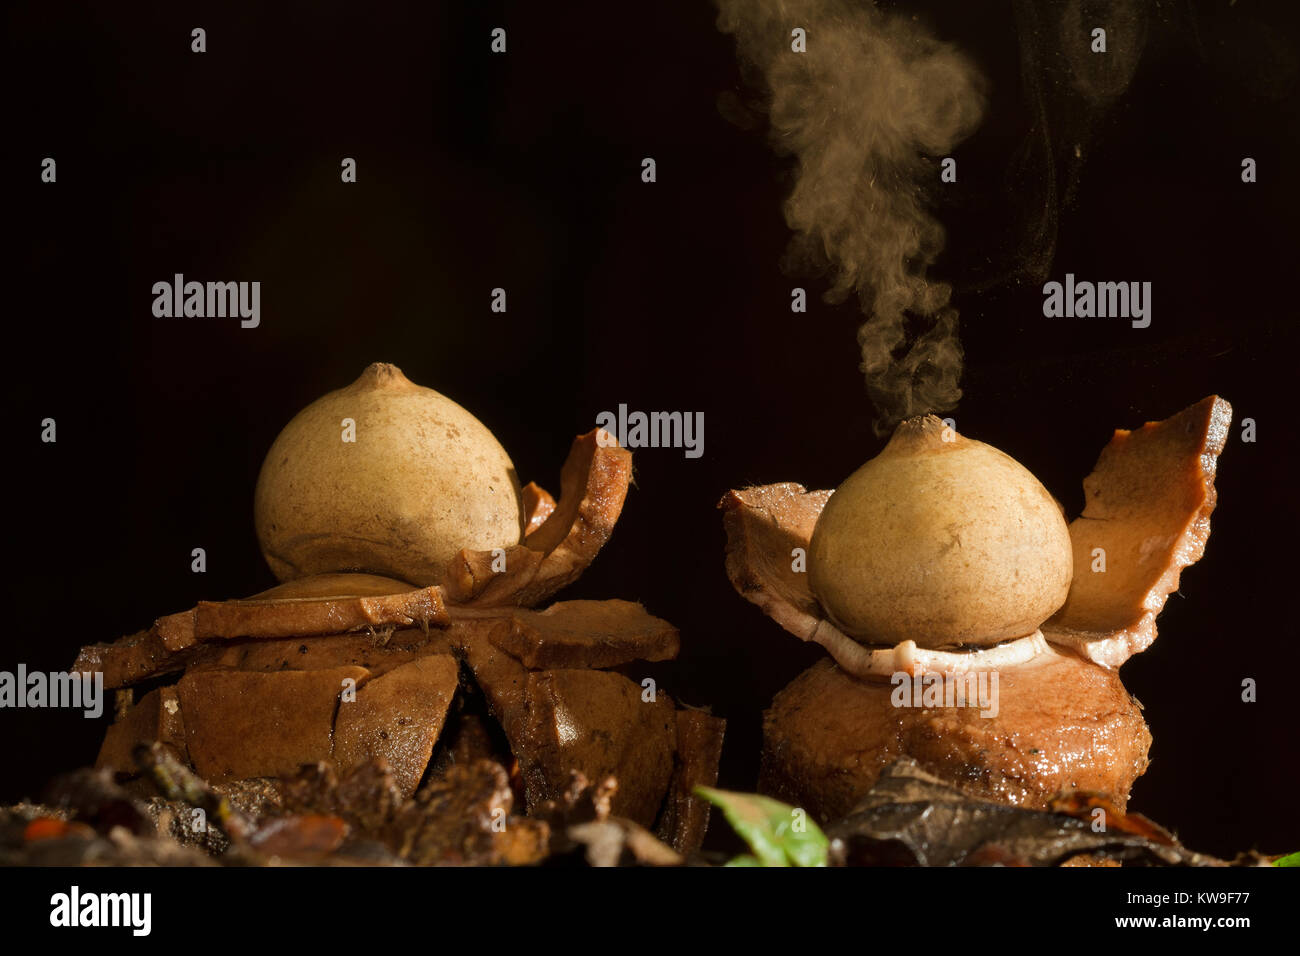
{"x":1062,"y":724}
{"x":263,"y":708}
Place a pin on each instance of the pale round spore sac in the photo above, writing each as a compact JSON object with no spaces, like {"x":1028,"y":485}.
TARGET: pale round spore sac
{"x":940,"y":540}
{"x":387,"y":477}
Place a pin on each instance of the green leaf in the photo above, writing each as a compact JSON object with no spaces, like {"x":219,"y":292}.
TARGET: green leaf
{"x":743,"y":860}
{"x":1291,"y":859}
{"x":777,"y":833}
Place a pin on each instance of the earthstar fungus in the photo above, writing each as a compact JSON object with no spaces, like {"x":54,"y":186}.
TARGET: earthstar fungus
{"x":885,"y":599}
{"x":411,"y":626}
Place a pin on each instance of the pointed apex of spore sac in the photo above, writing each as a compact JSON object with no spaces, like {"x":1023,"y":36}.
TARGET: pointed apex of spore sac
{"x":923,"y":433}
{"x":381,"y":375}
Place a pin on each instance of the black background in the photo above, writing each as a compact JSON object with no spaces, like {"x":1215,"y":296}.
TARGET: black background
{"x":523,"y":171}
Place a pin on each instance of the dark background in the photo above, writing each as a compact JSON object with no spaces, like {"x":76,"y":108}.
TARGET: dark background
{"x":522,"y":171}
